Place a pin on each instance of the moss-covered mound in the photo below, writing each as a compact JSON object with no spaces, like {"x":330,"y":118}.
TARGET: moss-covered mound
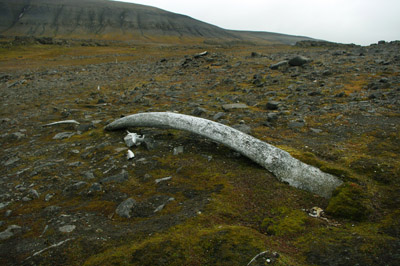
{"x":350,"y":202}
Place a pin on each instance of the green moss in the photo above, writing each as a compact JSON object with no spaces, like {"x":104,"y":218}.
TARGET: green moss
{"x":285,"y":222}
{"x":349,"y":202}
{"x":222,"y":245}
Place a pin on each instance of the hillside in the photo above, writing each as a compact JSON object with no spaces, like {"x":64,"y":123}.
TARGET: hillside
{"x":101,"y":19}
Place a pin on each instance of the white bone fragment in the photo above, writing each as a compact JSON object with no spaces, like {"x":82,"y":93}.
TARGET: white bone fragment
{"x":62,"y":122}
{"x":279,"y":162}
{"x":163,"y":179}
{"x":133,"y":139}
{"x":130,"y":155}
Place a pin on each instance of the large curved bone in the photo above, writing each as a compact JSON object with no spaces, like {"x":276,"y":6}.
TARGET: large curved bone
{"x":279,"y":162}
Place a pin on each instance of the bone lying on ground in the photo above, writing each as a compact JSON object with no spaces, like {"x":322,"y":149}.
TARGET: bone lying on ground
{"x":285,"y":167}
{"x":62,"y":122}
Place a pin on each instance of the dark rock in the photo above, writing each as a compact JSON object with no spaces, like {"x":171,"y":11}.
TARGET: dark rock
{"x":85,"y":127}
{"x":52,"y":209}
{"x":272,"y":105}
{"x":298,"y":61}
{"x":150,"y":206}
{"x":149,"y":143}
{"x":242,"y":127}
{"x":198,"y":111}
{"x":340,"y":94}
{"x":219,"y":115}
{"x":119,"y":178}
{"x":74,"y":187}
{"x":95,"y":187}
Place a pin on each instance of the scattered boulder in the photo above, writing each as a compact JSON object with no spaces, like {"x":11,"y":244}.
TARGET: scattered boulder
{"x":299,"y":61}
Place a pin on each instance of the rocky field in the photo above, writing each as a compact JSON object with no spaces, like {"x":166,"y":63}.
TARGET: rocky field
{"x":70,"y":196}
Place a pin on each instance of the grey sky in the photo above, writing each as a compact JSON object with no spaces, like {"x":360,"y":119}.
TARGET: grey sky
{"x":346,"y":21}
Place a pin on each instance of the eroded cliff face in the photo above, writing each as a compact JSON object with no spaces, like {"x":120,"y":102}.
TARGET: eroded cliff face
{"x":103,"y":19}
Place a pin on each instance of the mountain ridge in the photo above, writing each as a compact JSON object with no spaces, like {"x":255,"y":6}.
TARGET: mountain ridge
{"x":113,"y":20}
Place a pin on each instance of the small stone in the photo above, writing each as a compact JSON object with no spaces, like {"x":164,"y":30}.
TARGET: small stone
{"x":315,"y":130}
{"x":218,"y":115}
{"x":279,"y":64}
{"x":198,"y":111}
{"x":34,"y":193}
{"x":88,"y":175}
{"x":75,"y":187}
{"x":119,"y":178}
{"x":67,"y":228}
{"x":8,"y":233}
{"x":95,"y":187}
{"x":8,"y":213}
{"x":11,"y":161}
{"x":17,"y":135}
{"x":178,"y":150}
{"x":272,"y":105}
{"x":242,"y":127}
{"x":63,"y":135}
{"x":124,"y":209}
{"x":26,"y":199}
{"x":48,"y":197}
{"x":234,"y":106}
{"x":296,"y":124}
{"x":75,"y":164}
{"x":52,"y":209}
{"x":272,"y":117}
{"x":3,"y":205}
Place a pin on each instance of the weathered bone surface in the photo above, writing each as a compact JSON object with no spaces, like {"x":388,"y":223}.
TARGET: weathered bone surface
{"x":279,"y":162}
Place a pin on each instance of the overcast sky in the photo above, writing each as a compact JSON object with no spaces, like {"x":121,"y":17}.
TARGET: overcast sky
{"x":346,"y":21}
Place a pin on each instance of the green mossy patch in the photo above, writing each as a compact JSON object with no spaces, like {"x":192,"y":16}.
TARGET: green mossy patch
{"x":284,"y":222}
{"x":221,"y":245}
{"x":349,"y":201}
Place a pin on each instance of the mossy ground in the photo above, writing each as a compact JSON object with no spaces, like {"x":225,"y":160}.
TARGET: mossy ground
{"x":226,"y":208}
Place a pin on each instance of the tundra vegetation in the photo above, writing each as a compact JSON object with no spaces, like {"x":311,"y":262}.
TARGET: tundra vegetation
{"x":61,"y":184}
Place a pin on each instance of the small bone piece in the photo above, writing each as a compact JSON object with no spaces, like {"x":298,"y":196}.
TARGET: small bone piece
{"x":316,"y":212}
{"x":130,"y":155}
{"x":133,"y":139}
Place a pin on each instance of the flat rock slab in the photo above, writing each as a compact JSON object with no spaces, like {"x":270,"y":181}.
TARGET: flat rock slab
{"x":234,"y":106}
